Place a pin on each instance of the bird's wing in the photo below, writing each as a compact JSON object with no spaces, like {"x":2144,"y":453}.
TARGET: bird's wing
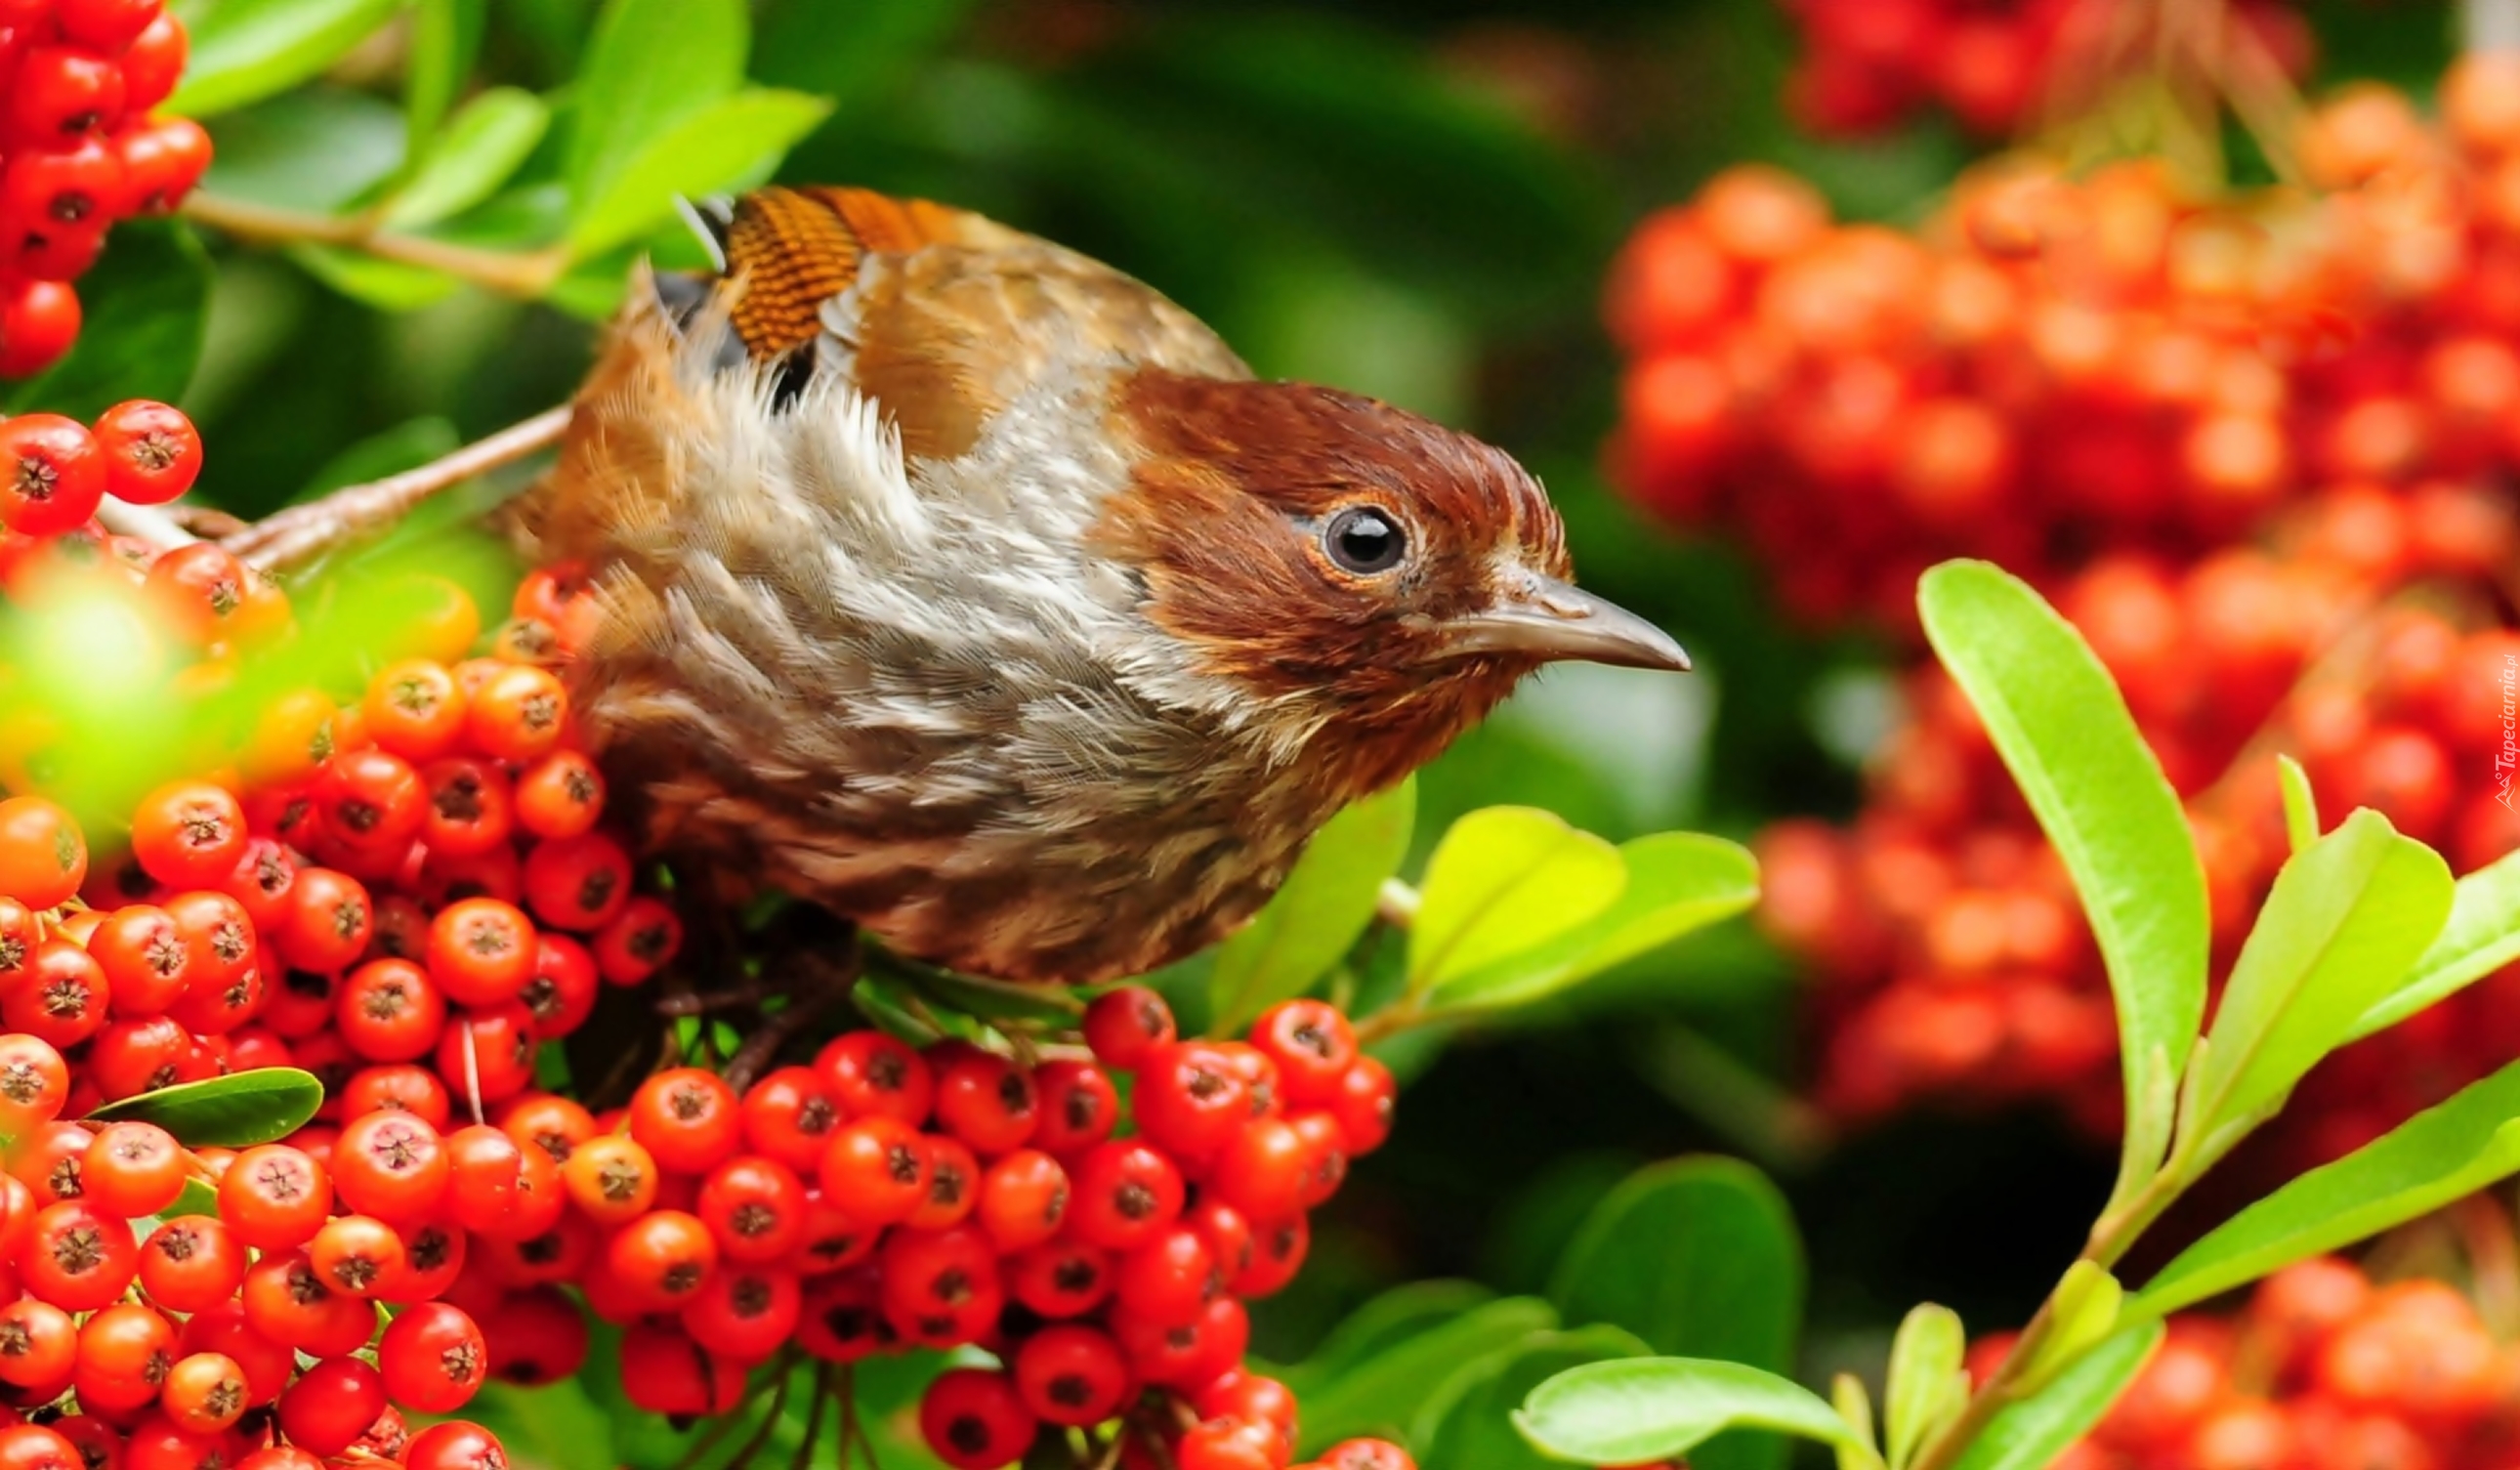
{"x":940,"y":316}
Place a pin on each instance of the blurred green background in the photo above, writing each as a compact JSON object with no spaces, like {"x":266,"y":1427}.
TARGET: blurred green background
{"x":1415,"y":199}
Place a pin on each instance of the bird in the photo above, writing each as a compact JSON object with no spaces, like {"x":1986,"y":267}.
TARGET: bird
{"x":972,"y":590}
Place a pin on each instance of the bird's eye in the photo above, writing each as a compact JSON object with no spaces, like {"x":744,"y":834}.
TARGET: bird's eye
{"x":1364,"y":541}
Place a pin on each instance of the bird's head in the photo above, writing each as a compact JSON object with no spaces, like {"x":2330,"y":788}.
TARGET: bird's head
{"x":1369,"y":580}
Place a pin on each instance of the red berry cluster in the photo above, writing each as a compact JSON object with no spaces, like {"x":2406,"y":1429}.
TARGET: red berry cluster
{"x":2059,"y":367}
{"x":172,"y":1343}
{"x":1868,"y":65}
{"x":79,"y":151}
{"x":1949,"y":955}
{"x":1106,"y":1272}
{"x":2322,"y":1370}
{"x":360,"y":911}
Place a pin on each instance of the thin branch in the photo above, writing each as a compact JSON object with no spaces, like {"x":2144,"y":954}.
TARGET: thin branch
{"x":352,"y":513}
{"x":527,"y":275}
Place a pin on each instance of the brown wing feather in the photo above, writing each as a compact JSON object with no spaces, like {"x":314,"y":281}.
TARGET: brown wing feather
{"x":793,"y":249}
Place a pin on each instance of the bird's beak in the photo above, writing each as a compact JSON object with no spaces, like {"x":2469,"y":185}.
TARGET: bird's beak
{"x":1541,"y":617}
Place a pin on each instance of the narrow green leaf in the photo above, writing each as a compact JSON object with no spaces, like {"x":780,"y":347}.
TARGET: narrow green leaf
{"x":2441,"y":1154}
{"x":235,"y":1111}
{"x":1677,"y":882}
{"x":2064,"y":730}
{"x":1846,"y":1394}
{"x":2300,"y":803}
{"x":2481,"y":936}
{"x":1503,"y":881}
{"x":2029,"y":1434}
{"x":1925,"y":1386}
{"x":483,"y":146}
{"x":148,"y":301}
{"x":1468,"y":1423}
{"x":731,"y":143}
{"x":2345,"y":918}
{"x":246,"y":50}
{"x":445,"y":37}
{"x":650,"y":66}
{"x":1317,"y":915}
{"x":1383,"y":1393}
{"x":1658,"y":1408}
{"x":1700,"y":1257}
{"x":2086,"y":1306}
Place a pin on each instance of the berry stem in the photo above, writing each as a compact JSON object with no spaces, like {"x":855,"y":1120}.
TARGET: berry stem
{"x":352,"y":513}
{"x":509,"y":273}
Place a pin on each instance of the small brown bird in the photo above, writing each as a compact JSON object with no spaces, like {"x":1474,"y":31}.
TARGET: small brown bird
{"x":975,"y":590}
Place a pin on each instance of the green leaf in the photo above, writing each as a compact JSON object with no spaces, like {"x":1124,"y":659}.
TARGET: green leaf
{"x":147,"y":300}
{"x":2345,"y":918}
{"x":445,"y":37}
{"x":1383,"y":1392}
{"x":1317,"y":915}
{"x":1677,"y":884}
{"x":1846,"y":1394}
{"x":235,"y":1111}
{"x":1383,"y":1323}
{"x":2481,"y":936}
{"x":482,"y":148}
{"x":2029,"y":1434}
{"x":2063,"y":731}
{"x":732,"y":143}
{"x":651,"y":65}
{"x":2300,"y":803}
{"x":2084,"y":1309}
{"x":1698,"y":1257}
{"x":246,"y":50}
{"x":2447,"y":1151}
{"x":319,"y":148}
{"x":1926,"y":1385}
{"x":1503,"y":881}
{"x":1659,"y":1408}
{"x":1471,"y":1424}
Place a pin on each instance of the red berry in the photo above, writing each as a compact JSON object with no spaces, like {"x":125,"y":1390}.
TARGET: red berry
{"x":152,"y":452}
{"x":976,"y":1420}
{"x":52,"y":480}
{"x":432,"y":1358}
{"x":1072,"y":1375}
{"x":455,"y":1445}
{"x":38,"y":322}
{"x":1123,"y":1025}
